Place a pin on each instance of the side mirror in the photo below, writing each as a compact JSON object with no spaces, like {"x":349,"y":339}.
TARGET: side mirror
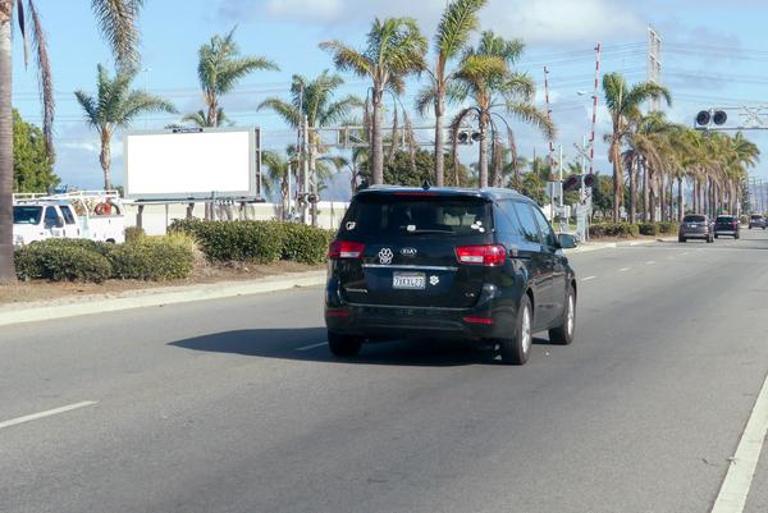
{"x":566,"y":241}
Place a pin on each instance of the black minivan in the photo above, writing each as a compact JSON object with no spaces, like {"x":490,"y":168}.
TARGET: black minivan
{"x":446,"y":263}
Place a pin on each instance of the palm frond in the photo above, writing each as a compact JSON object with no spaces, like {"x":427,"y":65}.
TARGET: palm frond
{"x":425,"y":99}
{"x":45,"y":77}
{"x":288,"y":112}
{"x":117,"y":22}
{"x":532,"y":115}
{"x":346,"y":58}
{"x":457,"y":23}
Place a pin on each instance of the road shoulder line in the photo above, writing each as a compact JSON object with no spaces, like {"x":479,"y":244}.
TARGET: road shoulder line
{"x":46,"y":413}
{"x":734,"y":491}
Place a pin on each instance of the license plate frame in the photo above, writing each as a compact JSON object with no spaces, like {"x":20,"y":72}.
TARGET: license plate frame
{"x":409,"y":280}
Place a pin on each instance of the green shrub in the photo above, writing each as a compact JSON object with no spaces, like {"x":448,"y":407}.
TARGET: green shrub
{"x":617,"y":230}
{"x":668,"y":227}
{"x":63,"y":260}
{"x":134,"y":233}
{"x":238,"y":241}
{"x":649,"y":228}
{"x":154,"y":258}
{"x":305,"y":244}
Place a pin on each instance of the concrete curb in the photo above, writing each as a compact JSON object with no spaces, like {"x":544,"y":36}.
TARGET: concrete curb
{"x":596,"y":246}
{"x":35,"y":312}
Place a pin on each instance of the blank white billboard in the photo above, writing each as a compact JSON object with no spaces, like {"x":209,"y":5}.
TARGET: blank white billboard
{"x":190,"y":164}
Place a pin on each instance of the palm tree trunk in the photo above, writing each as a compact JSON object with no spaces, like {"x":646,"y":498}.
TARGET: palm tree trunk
{"x":483,"y":162}
{"x":680,"y":206}
{"x":646,"y":195}
{"x":439,"y":137}
{"x":653,"y":202}
{"x":213,"y":111}
{"x":671,"y":200}
{"x":662,"y":198}
{"x":313,"y":181}
{"x":618,"y":186}
{"x":633,"y":190}
{"x":106,"y":157}
{"x":377,"y":139}
{"x":7,"y":269}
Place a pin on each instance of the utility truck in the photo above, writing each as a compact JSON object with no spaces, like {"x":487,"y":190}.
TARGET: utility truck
{"x":94,"y":215}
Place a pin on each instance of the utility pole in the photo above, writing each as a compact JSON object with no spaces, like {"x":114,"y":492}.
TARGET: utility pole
{"x":305,"y":152}
{"x":654,"y":64}
{"x":549,"y":118}
{"x":595,"y":97}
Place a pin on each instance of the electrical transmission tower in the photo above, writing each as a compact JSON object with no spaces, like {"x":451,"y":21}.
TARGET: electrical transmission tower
{"x":654,"y":63}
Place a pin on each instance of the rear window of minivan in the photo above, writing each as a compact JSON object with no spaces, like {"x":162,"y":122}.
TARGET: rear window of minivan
{"x":414,"y":214}
{"x":694,"y":219}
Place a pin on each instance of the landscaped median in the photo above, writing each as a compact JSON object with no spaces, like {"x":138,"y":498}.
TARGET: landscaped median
{"x":632,"y":230}
{"x":192,"y":247}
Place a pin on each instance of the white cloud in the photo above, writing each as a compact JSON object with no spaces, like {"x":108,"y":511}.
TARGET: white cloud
{"x":319,"y":10}
{"x":539,"y":21}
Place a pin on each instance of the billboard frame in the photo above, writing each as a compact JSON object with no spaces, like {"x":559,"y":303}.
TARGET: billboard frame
{"x":253,"y":194}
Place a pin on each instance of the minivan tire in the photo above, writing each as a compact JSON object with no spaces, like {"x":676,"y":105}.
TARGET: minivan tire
{"x":563,"y":334}
{"x":344,"y":346}
{"x":516,"y":349}
{"x":681,"y":239}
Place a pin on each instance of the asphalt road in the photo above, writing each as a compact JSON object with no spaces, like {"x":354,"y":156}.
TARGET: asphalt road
{"x":231,"y":405}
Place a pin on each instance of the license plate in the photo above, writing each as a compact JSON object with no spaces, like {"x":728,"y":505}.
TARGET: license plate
{"x":409,"y":281}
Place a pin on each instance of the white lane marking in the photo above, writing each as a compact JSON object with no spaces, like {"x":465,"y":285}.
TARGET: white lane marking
{"x":624,"y":269}
{"x":738,"y":480}
{"x":47,"y":413}
{"x":313,"y":346}
{"x":588,"y":278}
{"x":650,"y":262}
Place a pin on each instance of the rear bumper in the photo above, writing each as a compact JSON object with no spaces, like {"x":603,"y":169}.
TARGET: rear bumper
{"x":491,"y":317}
{"x":725,"y":231}
{"x":397,"y":323}
{"x":695,"y":235}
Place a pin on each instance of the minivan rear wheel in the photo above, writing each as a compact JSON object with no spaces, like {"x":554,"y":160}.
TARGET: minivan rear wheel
{"x":516,"y":348}
{"x":563,"y":334}
{"x":344,"y":346}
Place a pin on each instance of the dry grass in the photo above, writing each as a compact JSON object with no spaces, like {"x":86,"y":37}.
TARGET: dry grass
{"x":22,"y":292}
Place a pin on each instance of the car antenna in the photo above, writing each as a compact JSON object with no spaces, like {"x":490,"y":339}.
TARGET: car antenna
{"x":426,"y":185}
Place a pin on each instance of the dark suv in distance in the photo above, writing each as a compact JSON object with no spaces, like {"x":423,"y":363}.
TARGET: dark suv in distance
{"x":696,"y":226}
{"x":727,"y":225}
{"x":757,"y":221}
{"x":481,"y":265}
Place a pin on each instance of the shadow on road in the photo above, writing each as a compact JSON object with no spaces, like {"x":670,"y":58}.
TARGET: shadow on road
{"x":295,"y":344}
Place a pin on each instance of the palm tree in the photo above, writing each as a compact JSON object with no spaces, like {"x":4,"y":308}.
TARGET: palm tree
{"x":116,"y":105}
{"x":313,"y":101}
{"x":624,"y":105}
{"x":395,"y":49}
{"x":221,"y":67}
{"x":458,"y":22}
{"x":117,"y":21}
{"x":486,"y":78}
{"x":200,"y":119}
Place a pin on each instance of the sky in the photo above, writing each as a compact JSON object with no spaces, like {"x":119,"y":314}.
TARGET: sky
{"x":713,"y":55}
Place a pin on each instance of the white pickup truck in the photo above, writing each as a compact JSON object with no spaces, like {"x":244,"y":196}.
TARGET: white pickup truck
{"x":96,"y":216}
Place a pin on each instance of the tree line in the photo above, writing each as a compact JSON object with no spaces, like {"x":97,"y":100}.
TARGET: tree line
{"x":479,"y":80}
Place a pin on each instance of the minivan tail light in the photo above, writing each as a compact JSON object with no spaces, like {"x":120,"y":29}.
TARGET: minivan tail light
{"x":489,"y":255}
{"x":346,"y":249}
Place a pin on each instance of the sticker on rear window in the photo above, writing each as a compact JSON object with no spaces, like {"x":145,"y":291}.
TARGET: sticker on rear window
{"x":351,"y":225}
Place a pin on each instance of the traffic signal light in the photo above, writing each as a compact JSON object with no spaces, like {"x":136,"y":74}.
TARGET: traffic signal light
{"x":463,"y":137}
{"x":572,"y":183}
{"x":720,"y":117}
{"x":706,"y":117}
{"x":589,"y":180}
